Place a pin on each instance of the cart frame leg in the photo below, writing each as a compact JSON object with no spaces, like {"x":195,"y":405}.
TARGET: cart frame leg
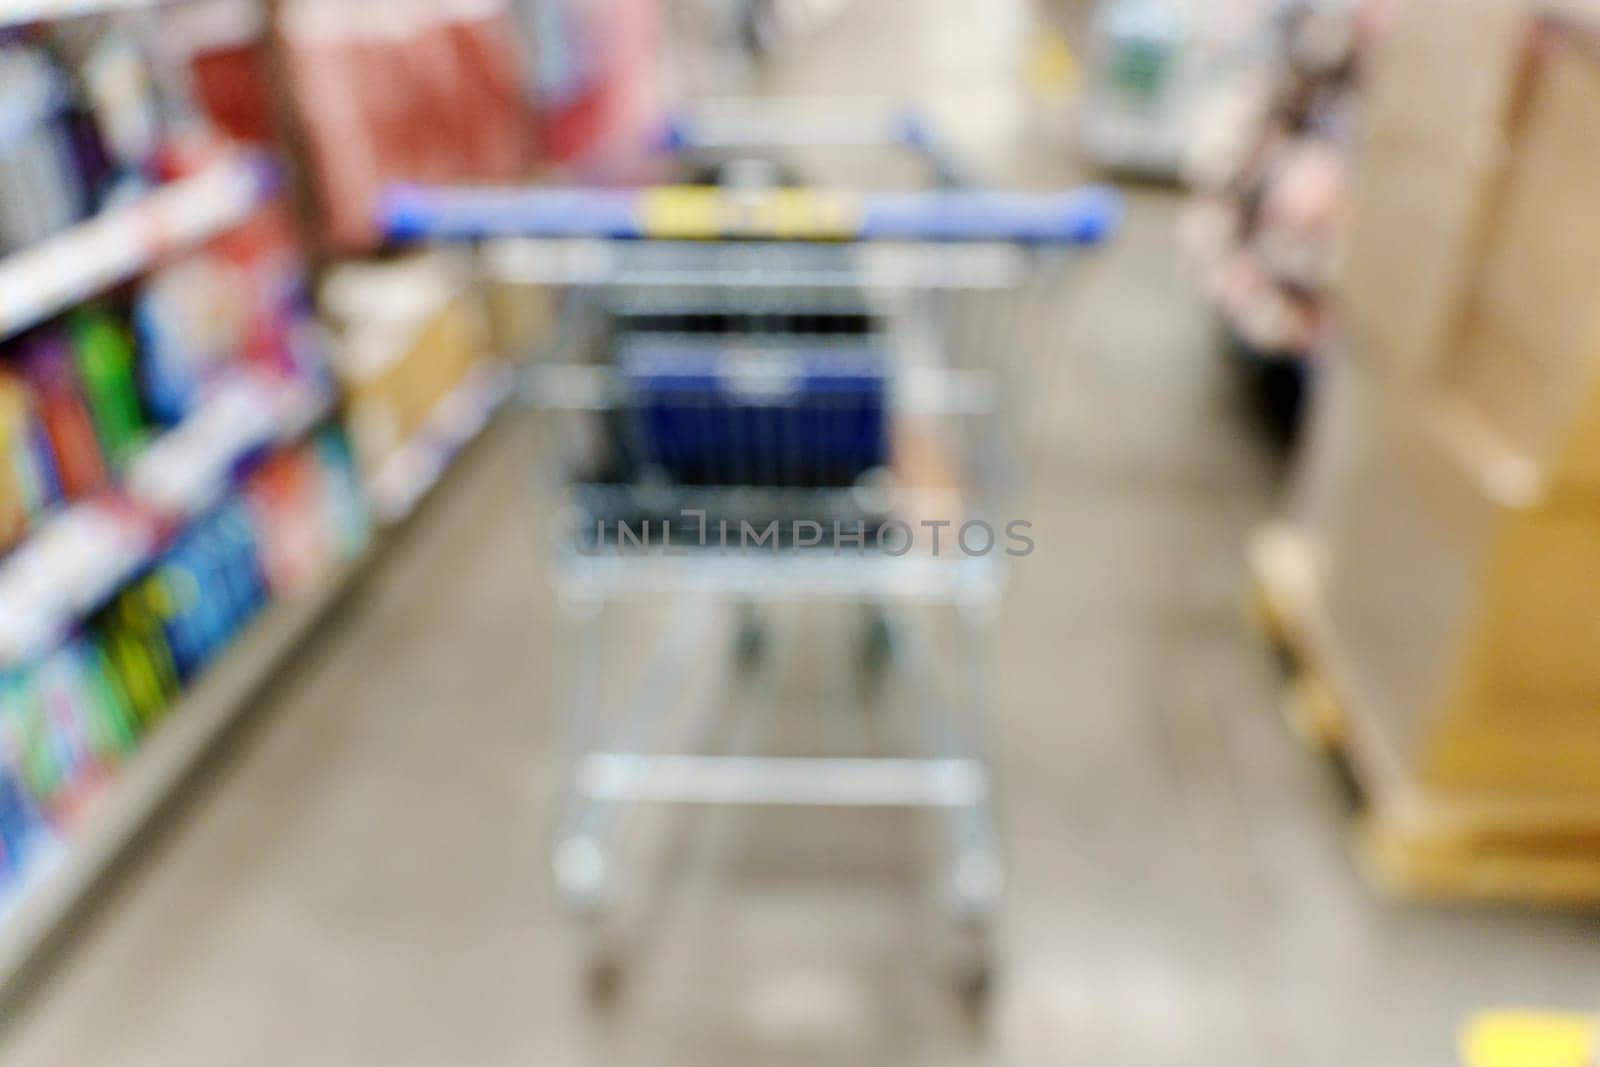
{"x":582,"y":857}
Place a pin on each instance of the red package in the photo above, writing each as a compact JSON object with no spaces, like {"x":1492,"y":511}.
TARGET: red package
{"x":232,"y":85}
{"x":389,"y":101}
{"x":427,"y":93}
{"x":287,"y":504}
{"x":439,"y":116}
{"x":263,"y":255}
{"x":340,"y":137}
{"x":501,"y":133}
{"x":79,"y":464}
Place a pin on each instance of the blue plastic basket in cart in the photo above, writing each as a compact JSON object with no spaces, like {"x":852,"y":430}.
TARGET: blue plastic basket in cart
{"x":753,"y":414}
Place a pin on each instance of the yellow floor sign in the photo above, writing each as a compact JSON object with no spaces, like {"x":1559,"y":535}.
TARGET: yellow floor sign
{"x":1531,"y":1039}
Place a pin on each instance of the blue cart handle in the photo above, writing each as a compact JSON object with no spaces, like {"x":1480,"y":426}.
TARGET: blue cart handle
{"x":1078,"y":217}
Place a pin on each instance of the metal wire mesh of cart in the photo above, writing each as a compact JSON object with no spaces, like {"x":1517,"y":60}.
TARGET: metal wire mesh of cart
{"x":787,"y":419}
{"x":766,"y":395}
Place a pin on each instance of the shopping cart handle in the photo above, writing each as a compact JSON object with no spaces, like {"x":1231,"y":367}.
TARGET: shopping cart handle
{"x":413,"y":212}
{"x":1085,"y":216}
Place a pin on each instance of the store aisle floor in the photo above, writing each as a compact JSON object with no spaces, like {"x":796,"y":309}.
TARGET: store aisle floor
{"x":361,"y":878}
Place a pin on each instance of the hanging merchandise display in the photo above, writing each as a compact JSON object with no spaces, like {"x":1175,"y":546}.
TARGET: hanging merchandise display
{"x":430,"y":91}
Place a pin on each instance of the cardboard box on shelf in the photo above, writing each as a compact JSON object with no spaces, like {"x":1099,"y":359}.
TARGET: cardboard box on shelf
{"x":410,"y":331}
{"x":15,"y":460}
{"x":521,"y":318}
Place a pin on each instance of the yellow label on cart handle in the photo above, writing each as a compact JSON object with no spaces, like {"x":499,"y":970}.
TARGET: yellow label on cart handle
{"x":704,"y":212}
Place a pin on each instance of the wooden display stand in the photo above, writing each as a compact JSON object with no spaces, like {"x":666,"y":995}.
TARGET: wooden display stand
{"x":1438,"y":590}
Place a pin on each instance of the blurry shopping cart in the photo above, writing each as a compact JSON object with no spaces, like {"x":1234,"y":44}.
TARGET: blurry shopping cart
{"x":768,"y":393}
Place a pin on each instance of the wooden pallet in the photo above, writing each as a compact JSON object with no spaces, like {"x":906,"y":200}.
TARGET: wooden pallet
{"x":1406,"y":840}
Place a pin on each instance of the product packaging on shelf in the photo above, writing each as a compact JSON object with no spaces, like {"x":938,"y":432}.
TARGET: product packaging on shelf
{"x":241,"y":300}
{"x":69,"y":718}
{"x":19,"y":495}
{"x":135,"y":543}
{"x":410,"y":331}
{"x":117,"y":106}
{"x":43,"y":187}
{"x":22,"y":828}
{"x":165,"y":470}
{"x":81,"y":398}
{"x":104,"y":355}
{"x":227,"y":66}
{"x":430,"y":93}
{"x":85,"y":127}
{"x":47,"y":361}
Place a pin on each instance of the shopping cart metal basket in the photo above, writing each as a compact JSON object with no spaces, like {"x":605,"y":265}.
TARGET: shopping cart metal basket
{"x":766,"y":394}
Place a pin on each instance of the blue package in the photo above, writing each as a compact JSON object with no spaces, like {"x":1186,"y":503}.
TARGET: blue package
{"x":216,"y":611}
{"x":247,"y":585}
{"x":212,"y":585}
{"x":169,"y":361}
{"x":183,"y":614}
{"x":45,"y":487}
{"x":20,"y":824}
{"x":781,"y":416}
{"x":345,"y":499}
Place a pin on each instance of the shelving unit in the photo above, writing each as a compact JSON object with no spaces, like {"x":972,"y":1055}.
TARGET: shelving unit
{"x":46,"y":899}
{"x":120,"y":244}
{"x":65,"y":878}
{"x":175,"y":477}
{"x":21,"y":12}
{"x":407,"y":476}
{"x":180,"y":474}
{"x":185,"y":481}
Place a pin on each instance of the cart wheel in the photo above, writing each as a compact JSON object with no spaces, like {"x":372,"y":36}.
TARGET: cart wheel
{"x":877,"y":649}
{"x":750,"y":642}
{"x":975,"y":889}
{"x":601,"y":959}
{"x":972,"y":962}
{"x":974,"y":983}
{"x":973,"y":900}
{"x":604,"y":968}
{"x":583,"y":876}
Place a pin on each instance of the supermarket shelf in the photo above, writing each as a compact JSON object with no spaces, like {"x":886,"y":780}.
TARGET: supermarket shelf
{"x":171,"y":750}
{"x":64,"y":875}
{"x":79,"y":558}
{"x":120,"y":244}
{"x":188,"y":469}
{"x":21,"y":12}
{"x":405,"y":477}
{"x":74,"y":562}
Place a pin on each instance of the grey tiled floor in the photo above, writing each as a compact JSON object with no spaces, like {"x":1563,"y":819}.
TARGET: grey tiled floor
{"x":362,"y":877}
